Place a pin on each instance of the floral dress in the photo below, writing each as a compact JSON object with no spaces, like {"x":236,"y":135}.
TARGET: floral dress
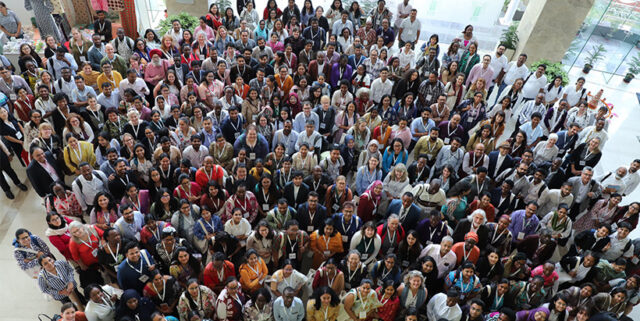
{"x":599,"y":213}
{"x":204,"y":303}
{"x":360,"y":304}
{"x":66,"y":207}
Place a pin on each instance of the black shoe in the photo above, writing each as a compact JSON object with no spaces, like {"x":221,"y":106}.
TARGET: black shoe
{"x":9,"y":195}
{"x":22,"y":186}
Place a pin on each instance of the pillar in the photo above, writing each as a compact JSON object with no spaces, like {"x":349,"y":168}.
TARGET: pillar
{"x":508,"y":15}
{"x":196,"y":8}
{"x":548,"y":27}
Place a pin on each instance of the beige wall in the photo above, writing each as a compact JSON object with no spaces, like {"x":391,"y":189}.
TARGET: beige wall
{"x":197,"y":8}
{"x":549,"y":26}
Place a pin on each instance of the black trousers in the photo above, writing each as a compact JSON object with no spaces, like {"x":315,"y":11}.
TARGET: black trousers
{"x":5,"y":166}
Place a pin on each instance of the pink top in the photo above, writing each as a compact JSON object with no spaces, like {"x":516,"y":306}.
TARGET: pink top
{"x":151,"y":71}
{"x":404,"y":135}
{"x":548,"y":280}
{"x":208,"y":31}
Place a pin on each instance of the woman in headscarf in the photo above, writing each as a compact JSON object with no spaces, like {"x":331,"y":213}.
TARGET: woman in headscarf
{"x":134,"y":306}
{"x":369,"y":200}
{"x":538,"y":314}
{"x":349,"y":154}
{"x":372,"y":150}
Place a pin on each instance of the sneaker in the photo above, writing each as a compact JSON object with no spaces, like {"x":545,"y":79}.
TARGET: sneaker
{"x":9,"y":195}
{"x":22,"y":186}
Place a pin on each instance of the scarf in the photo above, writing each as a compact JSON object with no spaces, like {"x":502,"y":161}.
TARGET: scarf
{"x":556,"y":224}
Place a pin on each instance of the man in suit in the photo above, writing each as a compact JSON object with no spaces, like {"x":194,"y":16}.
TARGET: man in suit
{"x":43,"y":171}
{"x":419,"y":171}
{"x":408,"y":213}
{"x":306,"y":55}
{"x":584,"y":188}
{"x":567,"y":139}
{"x":318,"y":181}
{"x":500,"y":160}
{"x":181,"y":69}
{"x":311,"y":215}
{"x":502,"y":198}
{"x":296,"y":191}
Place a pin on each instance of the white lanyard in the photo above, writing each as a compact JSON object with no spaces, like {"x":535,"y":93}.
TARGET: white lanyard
{"x":315,"y":186}
{"x":364,"y":304}
{"x":366,"y":246}
{"x":139,"y":271}
{"x":466,"y":256}
{"x":495,"y":238}
{"x":326,"y":241}
{"x":136,"y":129}
{"x":164,"y":289}
{"x":136,"y":205}
{"x":351,"y":275}
{"x":498,"y":300}
{"x":123,"y":182}
{"x":79,"y":155}
{"x":222,"y":151}
{"x":330,"y":281}
{"x":259,"y":274}
{"x":244,"y":208}
{"x":220,"y":275}
{"x":115,"y":257}
{"x":346,"y":229}
{"x":479,"y":188}
{"x":185,"y":191}
{"x":391,"y":239}
{"x":265,"y":196}
{"x":90,"y":244}
{"x":384,"y":275}
{"x":293,"y":247}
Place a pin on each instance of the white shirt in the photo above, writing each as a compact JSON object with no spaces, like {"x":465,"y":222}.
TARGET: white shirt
{"x":573,"y":95}
{"x":498,"y":164}
{"x":242,"y":228}
{"x":445,"y":264}
{"x":196,"y":157}
{"x":498,"y":64}
{"x":379,"y":89}
{"x":139,"y":86}
{"x":533,"y":85}
{"x":409,"y":29}
{"x":402,"y":9}
{"x":513,"y":72}
{"x":631,"y":180}
{"x":438,"y":309}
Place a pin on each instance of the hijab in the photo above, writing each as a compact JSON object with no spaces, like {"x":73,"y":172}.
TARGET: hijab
{"x":370,"y":192}
{"x":144,"y":309}
{"x":530,"y":314}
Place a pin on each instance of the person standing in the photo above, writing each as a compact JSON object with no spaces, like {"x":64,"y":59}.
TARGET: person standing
{"x":409,"y":28}
{"x":10,"y":23}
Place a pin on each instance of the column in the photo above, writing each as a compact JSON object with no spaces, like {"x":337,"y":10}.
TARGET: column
{"x":195,"y":7}
{"x":511,"y":10}
{"x":548,"y":27}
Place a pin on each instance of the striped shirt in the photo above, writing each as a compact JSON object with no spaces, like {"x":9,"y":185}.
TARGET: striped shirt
{"x":51,"y":284}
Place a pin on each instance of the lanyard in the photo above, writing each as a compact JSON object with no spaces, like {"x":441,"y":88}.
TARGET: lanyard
{"x":345,"y":229}
{"x":244,"y":208}
{"x":326,"y":241}
{"x":164,"y":289}
{"x":140,"y":270}
{"x":90,"y":244}
{"x":364,"y":304}
{"x":495,"y":238}
{"x":384,"y":275}
{"x":391,"y":239}
{"x":79,"y":155}
{"x":330,"y":282}
{"x":123,"y":182}
{"x":498,"y":301}
{"x":185,"y":191}
{"x":366,"y":246}
{"x":293,"y":247}
{"x":351,"y":275}
{"x":259,"y":274}
{"x":479,"y":188}
{"x":265,"y":196}
{"x":220,"y":274}
{"x":115,"y":257}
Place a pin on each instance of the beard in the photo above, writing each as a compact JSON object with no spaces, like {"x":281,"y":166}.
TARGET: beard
{"x":156,"y":62}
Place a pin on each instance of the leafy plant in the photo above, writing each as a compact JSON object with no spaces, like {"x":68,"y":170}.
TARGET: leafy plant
{"x":634,"y":65}
{"x":595,"y":54}
{"x":553,"y":69}
{"x":186,"y":20}
{"x":510,"y":37}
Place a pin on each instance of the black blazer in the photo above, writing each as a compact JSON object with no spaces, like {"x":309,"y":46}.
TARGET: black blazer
{"x":40,"y":178}
{"x":506,"y":207}
{"x":118,"y":185}
{"x":464,"y":226}
{"x":493,"y":159}
{"x":413,"y":173}
{"x":306,"y":224}
{"x":325,"y":182}
{"x":303,"y":194}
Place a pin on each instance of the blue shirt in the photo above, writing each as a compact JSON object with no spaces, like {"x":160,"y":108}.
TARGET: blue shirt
{"x":532,"y":133}
{"x":418,"y":127}
{"x":519,"y":223}
{"x":129,"y":274}
{"x":293,"y":313}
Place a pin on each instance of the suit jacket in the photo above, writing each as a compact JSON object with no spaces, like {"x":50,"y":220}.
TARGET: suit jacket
{"x":412,"y":218}
{"x":493,"y":159}
{"x":464,"y":226}
{"x":313,"y":69}
{"x":565,"y":143}
{"x":335,"y":76}
{"x":303,"y":194}
{"x":413,"y":173}
{"x":303,"y":217}
{"x":40,"y":178}
{"x":506,"y":207}
{"x":303,"y":59}
{"x":184,"y":69}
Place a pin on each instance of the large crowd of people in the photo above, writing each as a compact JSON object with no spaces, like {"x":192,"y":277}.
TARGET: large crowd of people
{"x":302,"y":164}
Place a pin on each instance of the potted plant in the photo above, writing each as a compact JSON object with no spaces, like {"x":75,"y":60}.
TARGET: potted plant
{"x":593,"y":56}
{"x":510,"y":40}
{"x":634,"y":69}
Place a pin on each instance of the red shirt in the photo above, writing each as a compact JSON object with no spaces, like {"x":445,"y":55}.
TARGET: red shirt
{"x":203,"y":178}
{"x":83,"y":251}
{"x":458,"y":249}
{"x":211,"y":279}
{"x":389,"y":308}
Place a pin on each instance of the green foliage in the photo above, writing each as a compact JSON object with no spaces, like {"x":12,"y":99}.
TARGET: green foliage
{"x":224,"y":4}
{"x":595,"y":54}
{"x":366,"y":5}
{"x":634,"y":65}
{"x":510,"y":37}
{"x":553,"y":69}
{"x":186,"y":20}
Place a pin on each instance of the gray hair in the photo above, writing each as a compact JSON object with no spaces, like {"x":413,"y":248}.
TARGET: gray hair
{"x":412,"y":274}
{"x":78,"y":225}
{"x":393,"y":216}
{"x":447,"y":239}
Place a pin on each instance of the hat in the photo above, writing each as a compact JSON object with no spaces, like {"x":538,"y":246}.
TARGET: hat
{"x":471,"y":235}
{"x":505,"y":145}
{"x":154,"y":52}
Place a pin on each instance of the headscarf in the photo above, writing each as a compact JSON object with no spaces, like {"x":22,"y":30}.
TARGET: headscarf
{"x":369,"y":191}
{"x":558,"y":225}
{"x":143,"y":311}
{"x":530,"y":314}
{"x":348,"y":138}
{"x":472,"y":236}
{"x":377,"y":154}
